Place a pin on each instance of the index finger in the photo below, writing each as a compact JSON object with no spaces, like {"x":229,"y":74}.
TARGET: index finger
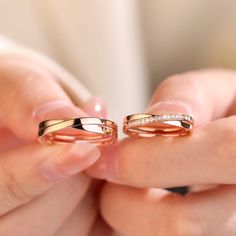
{"x":28,"y":95}
{"x":205,"y":94}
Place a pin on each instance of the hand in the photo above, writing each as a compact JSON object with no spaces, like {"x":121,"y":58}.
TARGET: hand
{"x":205,"y":157}
{"x":41,"y":192}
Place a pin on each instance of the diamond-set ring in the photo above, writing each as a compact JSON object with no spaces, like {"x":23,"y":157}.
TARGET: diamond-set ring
{"x":149,"y":125}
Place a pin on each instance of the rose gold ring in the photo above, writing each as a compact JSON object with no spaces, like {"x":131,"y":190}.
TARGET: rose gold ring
{"x":85,"y":129}
{"x":149,"y":125}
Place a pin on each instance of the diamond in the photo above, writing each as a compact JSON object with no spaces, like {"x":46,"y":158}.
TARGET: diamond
{"x":160,"y":118}
{"x":186,"y":117}
{"x":146,"y":120}
{"x":151,"y":119}
{"x":168,"y":117}
{"x":180,"y":116}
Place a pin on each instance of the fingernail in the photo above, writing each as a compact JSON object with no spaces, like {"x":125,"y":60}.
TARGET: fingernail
{"x":69,"y":160}
{"x":58,"y":109}
{"x":107,"y":166}
{"x":170,"y":106}
{"x":95,"y":107}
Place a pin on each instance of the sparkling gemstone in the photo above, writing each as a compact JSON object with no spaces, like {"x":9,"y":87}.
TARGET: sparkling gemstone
{"x":168,"y":117}
{"x":151,"y":119}
{"x":155,"y":118}
{"x":177,"y":117}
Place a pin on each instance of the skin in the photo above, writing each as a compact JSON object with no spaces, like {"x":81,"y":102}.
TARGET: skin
{"x":42,"y":188}
{"x":139,"y":169}
{"x":60,"y":193}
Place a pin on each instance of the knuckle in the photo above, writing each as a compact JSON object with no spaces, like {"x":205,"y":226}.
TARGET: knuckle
{"x":229,"y":135}
{"x":184,"y":222}
{"x":127,"y":172}
{"x":13,"y":189}
{"x":225,"y":146}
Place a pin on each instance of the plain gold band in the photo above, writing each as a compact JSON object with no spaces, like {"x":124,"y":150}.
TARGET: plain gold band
{"x":85,"y":129}
{"x":150,"y":125}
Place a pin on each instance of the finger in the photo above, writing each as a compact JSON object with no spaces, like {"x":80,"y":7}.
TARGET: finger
{"x":32,"y":96}
{"x":81,"y":220}
{"x":44,"y":215}
{"x":78,"y":92}
{"x":29,"y":171}
{"x":158,"y":162}
{"x":164,"y":213}
{"x":198,"y":93}
{"x":204,"y":94}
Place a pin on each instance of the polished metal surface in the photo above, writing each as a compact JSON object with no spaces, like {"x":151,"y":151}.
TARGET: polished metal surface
{"x":84,"y":129}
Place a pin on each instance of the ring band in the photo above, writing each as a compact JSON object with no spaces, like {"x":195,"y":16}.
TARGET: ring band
{"x":85,"y":129}
{"x":149,"y":125}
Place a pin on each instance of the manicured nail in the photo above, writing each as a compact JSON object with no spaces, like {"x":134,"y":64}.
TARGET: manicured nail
{"x":107,"y":166}
{"x":170,"y":106}
{"x":67,"y":160}
{"x":95,"y":107}
{"x":58,"y":109}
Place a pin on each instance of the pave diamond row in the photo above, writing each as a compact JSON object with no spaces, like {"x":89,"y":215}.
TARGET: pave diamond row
{"x":160,"y":118}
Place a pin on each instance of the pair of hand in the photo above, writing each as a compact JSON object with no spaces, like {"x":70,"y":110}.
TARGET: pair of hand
{"x":205,"y":160}
{"x":43,"y":191}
